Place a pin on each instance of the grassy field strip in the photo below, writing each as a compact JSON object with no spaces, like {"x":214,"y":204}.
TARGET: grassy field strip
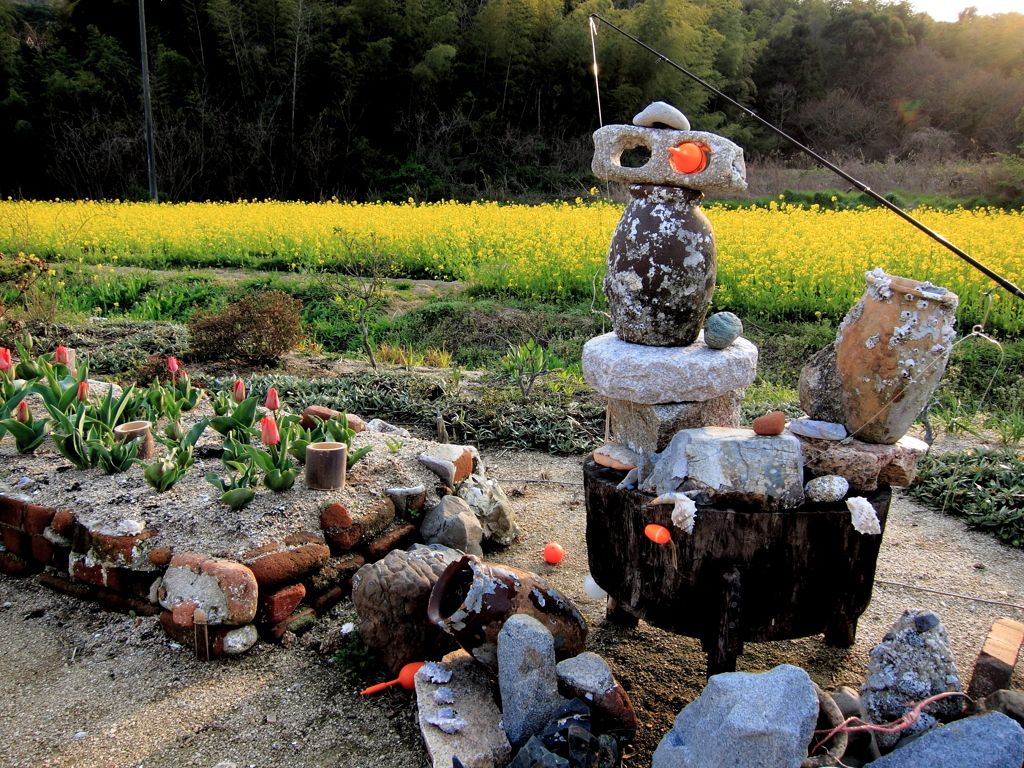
{"x":783,"y":261}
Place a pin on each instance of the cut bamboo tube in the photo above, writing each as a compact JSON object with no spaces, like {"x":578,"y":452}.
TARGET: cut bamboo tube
{"x":325,"y":465}
{"x":142,"y":429}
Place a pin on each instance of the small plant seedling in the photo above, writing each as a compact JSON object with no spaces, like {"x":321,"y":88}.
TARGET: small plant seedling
{"x":394,"y":444}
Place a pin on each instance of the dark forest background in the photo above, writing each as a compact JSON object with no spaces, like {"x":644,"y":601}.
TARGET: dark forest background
{"x":387,"y":99}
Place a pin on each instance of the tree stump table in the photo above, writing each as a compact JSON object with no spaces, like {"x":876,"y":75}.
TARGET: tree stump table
{"x":742,"y":575}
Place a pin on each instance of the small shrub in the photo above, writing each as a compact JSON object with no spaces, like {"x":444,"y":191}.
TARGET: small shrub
{"x":257,"y":329}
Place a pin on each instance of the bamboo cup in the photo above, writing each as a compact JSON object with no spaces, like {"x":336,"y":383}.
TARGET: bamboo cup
{"x":325,"y":465}
{"x":142,"y":429}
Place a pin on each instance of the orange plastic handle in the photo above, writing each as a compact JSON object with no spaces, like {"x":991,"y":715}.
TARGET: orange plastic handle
{"x":380,"y":686}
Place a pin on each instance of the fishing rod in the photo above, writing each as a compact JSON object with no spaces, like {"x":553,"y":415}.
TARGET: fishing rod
{"x":1002,"y":281}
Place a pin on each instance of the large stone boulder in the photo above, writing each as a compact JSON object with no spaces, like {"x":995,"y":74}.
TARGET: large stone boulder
{"x":391,"y":596}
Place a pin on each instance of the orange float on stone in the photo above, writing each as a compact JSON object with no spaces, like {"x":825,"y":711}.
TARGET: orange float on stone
{"x":688,"y":158}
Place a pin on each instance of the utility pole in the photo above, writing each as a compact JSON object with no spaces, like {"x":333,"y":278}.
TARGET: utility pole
{"x":150,"y":155}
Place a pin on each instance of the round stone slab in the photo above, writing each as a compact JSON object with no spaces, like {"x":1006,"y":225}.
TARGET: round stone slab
{"x":651,"y":375}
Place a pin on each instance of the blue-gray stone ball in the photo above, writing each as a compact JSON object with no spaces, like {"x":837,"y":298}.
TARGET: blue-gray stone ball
{"x":722,"y":329}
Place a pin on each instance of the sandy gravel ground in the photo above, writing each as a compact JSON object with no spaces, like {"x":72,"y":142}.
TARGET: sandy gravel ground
{"x":85,"y":688}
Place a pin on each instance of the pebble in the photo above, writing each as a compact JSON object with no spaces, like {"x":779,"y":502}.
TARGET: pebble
{"x":664,"y":113}
{"x":770,"y":424}
{"x":827,"y":488}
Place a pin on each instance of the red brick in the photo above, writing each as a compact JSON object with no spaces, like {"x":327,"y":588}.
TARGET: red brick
{"x":187,"y":635}
{"x":37,"y":518}
{"x":15,"y":541}
{"x":61,"y":558}
{"x":12,"y":511}
{"x":114,"y":549}
{"x":161,"y":556}
{"x":266,"y":549}
{"x":61,"y":582}
{"x":277,"y":631}
{"x":343,"y":539}
{"x":277,"y":606}
{"x":42,"y":550}
{"x":377,"y":519}
{"x":189,"y":560}
{"x":64,"y":523}
{"x":329,"y":599}
{"x":463,"y":465}
{"x":183,"y":612}
{"x":335,"y":516}
{"x":115,"y":601}
{"x":14,"y":565}
{"x":322,"y":413}
{"x":334,"y":573}
{"x":399,"y":537}
{"x":111,"y":577}
{"x":288,"y":564}
{"x":302,"y":537}
{"x":994,"y":666}
{"x":239,"y":586}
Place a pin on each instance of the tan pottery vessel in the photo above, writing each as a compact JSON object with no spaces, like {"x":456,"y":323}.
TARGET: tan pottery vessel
{"x":891,"y":352}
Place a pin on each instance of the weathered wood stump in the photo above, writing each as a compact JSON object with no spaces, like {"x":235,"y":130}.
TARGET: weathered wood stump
{"x":742,"y":575}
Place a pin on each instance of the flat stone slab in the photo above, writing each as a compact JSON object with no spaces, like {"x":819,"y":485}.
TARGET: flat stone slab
{"x":732,"y":466}
{"x":725,"y":171}
{"x":481,"y":742}
{"x":992,"y":740}
{"x":653,"y":375}
{"x":864,"y":465}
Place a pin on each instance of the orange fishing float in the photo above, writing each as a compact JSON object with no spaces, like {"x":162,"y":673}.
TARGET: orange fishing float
{"x":553,"y":553}
{"x":406,"y":677}
{"x":688,"y":158}
{"x":659,"y":534}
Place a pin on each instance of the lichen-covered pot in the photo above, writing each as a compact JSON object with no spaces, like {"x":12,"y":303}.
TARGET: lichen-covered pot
{"x":891,"y":351}
{"x":661,"y":267}
{"x":472,"y":599}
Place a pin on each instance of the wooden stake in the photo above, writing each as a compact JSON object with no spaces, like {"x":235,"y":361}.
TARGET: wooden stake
{"x":325,"y":465}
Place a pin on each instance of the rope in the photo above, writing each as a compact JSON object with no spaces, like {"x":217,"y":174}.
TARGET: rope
{"x":950,"y":594}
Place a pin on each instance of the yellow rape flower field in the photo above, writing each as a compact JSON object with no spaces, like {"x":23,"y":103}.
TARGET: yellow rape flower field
{"x":783,"y":261}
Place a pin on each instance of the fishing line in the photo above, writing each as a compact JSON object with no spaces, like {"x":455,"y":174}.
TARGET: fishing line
{"x":999,"y":279}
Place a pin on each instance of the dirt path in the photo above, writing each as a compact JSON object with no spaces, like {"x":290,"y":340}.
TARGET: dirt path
{"x":91,"y":689}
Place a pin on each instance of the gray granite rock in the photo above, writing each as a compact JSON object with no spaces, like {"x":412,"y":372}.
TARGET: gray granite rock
{"x":651,"y":375}
{"x":527,"y":677}
{"x":820,"y":430}
{"x":732,"y":466}
{"x":725,"y":171}
{"x":378,"y":425}
{"x":647,"y":429}
{"x":452,"y":523}
{"x":589,"y":678}
{"x":743,"y":719}
{"x":913,"y":662}
{"x":827,"y":488}
{"x":491,"y":507}
{"x":986,"y":741}
{"x":481,"y":742}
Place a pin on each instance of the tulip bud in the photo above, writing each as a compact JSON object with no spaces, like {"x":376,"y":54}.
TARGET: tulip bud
{"x":83,"y":391}
{"x":172,"y":364}
{"x":238,"y":391}
{"x":175,"y":431}
{"x":268,"y":431}
{"x":273,"y":402}
{"x":62,"y":356}
{"x":5,"y":359}
{"x":23,"y":415}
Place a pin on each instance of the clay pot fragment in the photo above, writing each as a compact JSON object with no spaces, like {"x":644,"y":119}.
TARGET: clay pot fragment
{"x":472,"y":599}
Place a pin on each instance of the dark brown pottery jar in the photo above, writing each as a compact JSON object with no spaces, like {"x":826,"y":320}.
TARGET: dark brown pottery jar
{"x":472,"y":599}
{"x":662,"y":265}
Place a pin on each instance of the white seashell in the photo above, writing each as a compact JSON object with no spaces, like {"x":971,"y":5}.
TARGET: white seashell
{"x":661,"y":112}
{"x":863,"y":515}
{"x":684,"y":514}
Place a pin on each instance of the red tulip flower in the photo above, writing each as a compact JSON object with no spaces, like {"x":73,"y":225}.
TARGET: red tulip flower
{"x":23,"y":415}
{"x":268,"y":431}
{"x":273,"y":401}
{"x":62,"y":356}
{"x":5,"y":359}
{"x":172,"y":364}
{"x":83,"y":391}
{"x":238,"y":391}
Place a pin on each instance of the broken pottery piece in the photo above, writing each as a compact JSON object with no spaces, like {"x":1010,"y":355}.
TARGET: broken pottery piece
{"x":891,"y":351}
{"x":615,"y":456}
{"x":472,"y":600}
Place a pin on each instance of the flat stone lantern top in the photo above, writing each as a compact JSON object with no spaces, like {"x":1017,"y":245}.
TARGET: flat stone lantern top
{"x":651,"y":375}
{"x":725,"y":170}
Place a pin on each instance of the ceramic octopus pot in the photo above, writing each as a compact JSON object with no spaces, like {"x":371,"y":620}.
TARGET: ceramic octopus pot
{"x":891,"y":351}
{"x":662,"y":265}
{"x":472,"y":599}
